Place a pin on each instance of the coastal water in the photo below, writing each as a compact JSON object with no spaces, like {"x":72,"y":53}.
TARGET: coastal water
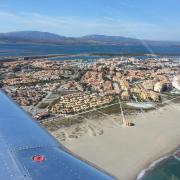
{"x":167,"y":168}
{"x":34,"y":49}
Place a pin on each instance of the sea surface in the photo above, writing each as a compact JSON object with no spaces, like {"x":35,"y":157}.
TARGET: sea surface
{"x":34,"y":49}
{"x":166,"y":168}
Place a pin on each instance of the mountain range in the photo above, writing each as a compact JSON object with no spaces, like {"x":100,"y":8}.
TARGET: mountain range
{"x":51,"y":38}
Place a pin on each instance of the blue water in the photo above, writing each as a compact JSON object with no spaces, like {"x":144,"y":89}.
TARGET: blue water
{"x":84,"y":57}
{"x":30,"y":49}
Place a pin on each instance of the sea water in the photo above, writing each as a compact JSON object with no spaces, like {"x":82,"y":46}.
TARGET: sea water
{"x":45,"y":49}
{"x":166,"y":168}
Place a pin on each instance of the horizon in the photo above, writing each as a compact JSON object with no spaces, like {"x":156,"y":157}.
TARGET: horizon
{"x":165,"y":40}
{"x":141,"y":20}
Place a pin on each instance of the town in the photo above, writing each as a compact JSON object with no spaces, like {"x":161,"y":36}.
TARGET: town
{"x":47,"y":88}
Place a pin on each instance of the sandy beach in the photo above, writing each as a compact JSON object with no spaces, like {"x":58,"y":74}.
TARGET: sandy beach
{"x":125,"y":151}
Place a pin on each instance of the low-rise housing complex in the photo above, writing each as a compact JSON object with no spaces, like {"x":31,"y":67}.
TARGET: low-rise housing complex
{"x":78,"y":102}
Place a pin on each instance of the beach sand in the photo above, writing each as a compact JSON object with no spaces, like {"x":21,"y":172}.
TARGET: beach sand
{"x":125,"y":151}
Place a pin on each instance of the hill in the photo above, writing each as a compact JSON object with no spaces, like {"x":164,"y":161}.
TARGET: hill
{"x":51,"y":38}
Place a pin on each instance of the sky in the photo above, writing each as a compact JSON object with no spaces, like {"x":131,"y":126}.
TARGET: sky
{"x":145,"y":19}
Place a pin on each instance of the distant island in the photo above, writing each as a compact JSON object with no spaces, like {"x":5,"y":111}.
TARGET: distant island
{"x":39,"y":37}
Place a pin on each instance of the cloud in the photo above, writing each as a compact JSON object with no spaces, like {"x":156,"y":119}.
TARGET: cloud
{"x":74,"y":26}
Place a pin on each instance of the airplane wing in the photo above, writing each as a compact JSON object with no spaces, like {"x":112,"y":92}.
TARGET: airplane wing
{"x":27,"y":151}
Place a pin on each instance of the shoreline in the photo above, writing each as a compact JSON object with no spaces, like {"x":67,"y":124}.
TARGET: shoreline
{"x":123,"y":161}
{"x":151,"y":166}
{"x":156,"y":162}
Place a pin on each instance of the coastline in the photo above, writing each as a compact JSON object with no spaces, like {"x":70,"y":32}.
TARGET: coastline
{"x":156,"y":162}
{"x":151,"y":166}
{"x":156,"y":143}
